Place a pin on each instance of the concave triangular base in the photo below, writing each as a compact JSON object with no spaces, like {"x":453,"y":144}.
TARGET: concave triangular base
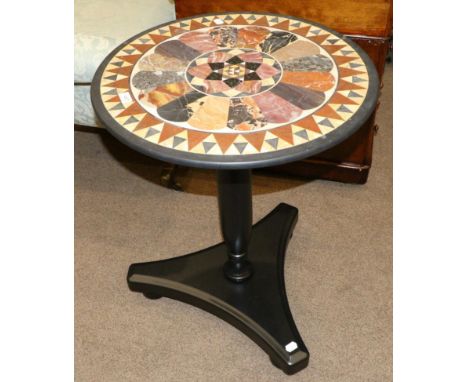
{"x":258,"y":306}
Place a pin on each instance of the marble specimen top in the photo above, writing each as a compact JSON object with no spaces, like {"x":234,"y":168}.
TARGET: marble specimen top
{"x":235,"y":90}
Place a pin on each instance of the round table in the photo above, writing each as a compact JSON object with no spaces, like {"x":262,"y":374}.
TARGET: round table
{"x":233,"y":92}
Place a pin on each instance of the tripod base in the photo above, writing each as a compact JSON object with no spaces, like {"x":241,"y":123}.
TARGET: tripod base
{"x":258,"y":306}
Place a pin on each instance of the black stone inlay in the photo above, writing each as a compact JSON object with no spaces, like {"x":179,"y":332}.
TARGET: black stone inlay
{"x":300,"y":97}
{"x":176,"y":48}
{"x":215,"y":76}
{"x":179,"y":110}
{"x":277,"y":40}
{"x":251,"y":76}
{"x":232,"y":82}
{"x":252,"y":65}
{"x":239,"y":112}
{"x":216,"y":65}
{"x":234,"y":60}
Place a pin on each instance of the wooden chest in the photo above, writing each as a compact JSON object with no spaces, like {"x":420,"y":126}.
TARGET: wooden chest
{"x":367,"y":22}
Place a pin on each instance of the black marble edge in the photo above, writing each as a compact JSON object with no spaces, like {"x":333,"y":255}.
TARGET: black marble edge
{"x":238,"y":161}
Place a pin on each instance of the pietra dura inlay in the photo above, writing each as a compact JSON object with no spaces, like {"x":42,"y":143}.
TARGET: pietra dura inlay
{"x":233,"y":72}
{"x":231,"y":84}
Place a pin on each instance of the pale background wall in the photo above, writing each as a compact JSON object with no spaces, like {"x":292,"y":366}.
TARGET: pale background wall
{"x":120,"y":19}
{"x":100,"y":26}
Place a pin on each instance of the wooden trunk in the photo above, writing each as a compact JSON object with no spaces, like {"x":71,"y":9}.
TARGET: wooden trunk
{"x":368,"y":23}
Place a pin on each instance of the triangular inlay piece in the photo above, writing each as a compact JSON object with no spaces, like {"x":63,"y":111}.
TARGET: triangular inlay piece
{"x":132,"y":119}
{"x":309,"y":124}
{"x":125,"y":70}
{"x":302,"y":31}
{"x":169,"y":131}
{"x":115,"y":98}
{"x":148,"y":120}
{"x":240,"y":146}
{"x":175,"y":31}
{"x":120,"y":84}
{"x":195,"y":137}
{"x":326,"y":122}
{"x":151,"y":132}
{"x":302,"y":134}
{"x":354,"y":94}
{"x":225,"y":140}
{"x":319,"y":39}
{"x":284,"y":132}
{"x":118,"y":107}
{"x":340,"y":98}
{"x":177,"y":141}
{"x":196,"y":25}
{"x":340,"y":60}
{"x":328,"y":111}
{"x":131,"y":59}
{"x":282,"y":25}
{"x":345,"y":85}
{"x":332,"y":48}
{"x":207,"y":146}
{"x":256,"y":139}
{"x":273,"y":142}
{"x":143,"y":47}
{"x":346,"y":72}
{"x":262,"y":21}
{"x":357,"y":80}
{"x":343,"y":109}
{"x":239,"y":20}
{"x":133,"y":109}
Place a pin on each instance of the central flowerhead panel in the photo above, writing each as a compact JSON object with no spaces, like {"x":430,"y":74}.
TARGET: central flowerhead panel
{"x":233,"y":72}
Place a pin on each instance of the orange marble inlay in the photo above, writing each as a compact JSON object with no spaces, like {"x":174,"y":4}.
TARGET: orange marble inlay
{"x":250,"y":37}
{"x":320,"y":81}
{"x":296,"y":49}
{"x":166,"y":93}
{"x":211,"y":113}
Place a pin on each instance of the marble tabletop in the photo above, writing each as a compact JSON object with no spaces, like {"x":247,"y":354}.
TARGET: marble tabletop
{"x":235,"y":90}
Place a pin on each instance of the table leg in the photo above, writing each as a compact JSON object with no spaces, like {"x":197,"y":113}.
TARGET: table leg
{"x":168,"y":176}
{"x":235,"y":211}
{"x":248,"y":294}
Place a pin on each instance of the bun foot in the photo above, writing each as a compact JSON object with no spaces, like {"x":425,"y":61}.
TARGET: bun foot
{"x":152,"y":296}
